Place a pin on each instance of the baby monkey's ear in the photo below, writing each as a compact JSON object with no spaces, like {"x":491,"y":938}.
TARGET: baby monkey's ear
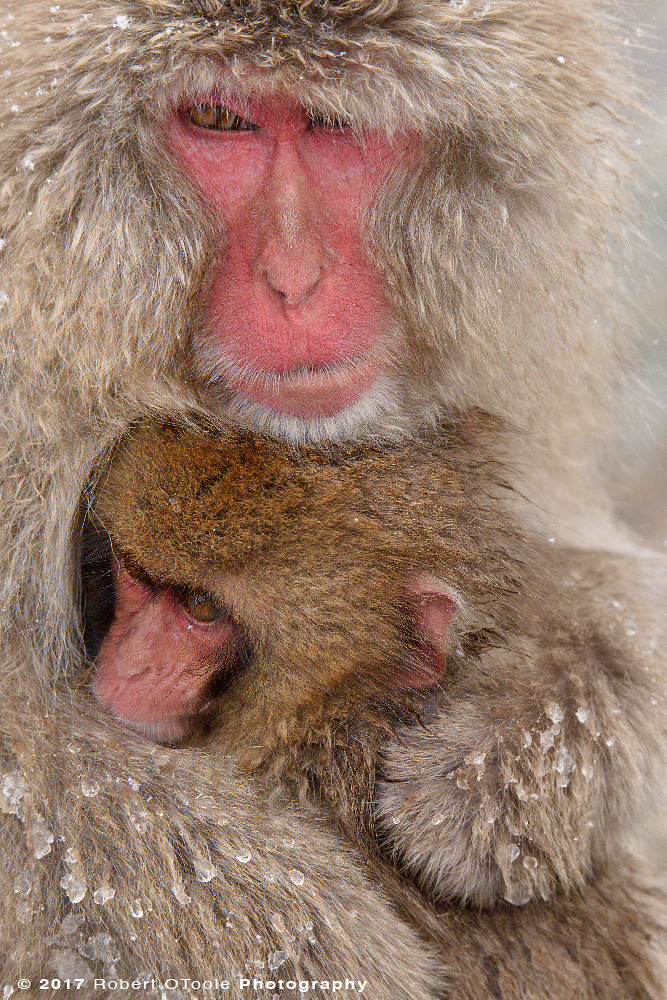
{"x":435,"y":608}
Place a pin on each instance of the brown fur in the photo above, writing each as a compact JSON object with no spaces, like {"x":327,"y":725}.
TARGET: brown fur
{"x":126,"y":814}
{"x":544,"y":754}
{"x":496,"y":253}
{"x":594,"y":943}
{"x":144,"y":841}
{"x":311,"y":555}
{"x":533,"y":768}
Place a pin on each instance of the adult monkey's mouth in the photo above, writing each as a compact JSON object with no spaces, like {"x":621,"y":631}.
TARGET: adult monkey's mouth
{"x":309,"y":391}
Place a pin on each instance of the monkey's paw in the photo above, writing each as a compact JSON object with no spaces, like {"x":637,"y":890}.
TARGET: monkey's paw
{"x":479,"y":813}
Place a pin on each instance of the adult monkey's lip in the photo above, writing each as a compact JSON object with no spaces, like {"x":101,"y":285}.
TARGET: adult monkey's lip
{"x":310,"y":392}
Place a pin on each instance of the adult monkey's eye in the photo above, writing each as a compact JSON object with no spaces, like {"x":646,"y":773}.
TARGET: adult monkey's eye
{"x":317,"y":119}
{"x":202,"y":607}
{"x":206,"y":114}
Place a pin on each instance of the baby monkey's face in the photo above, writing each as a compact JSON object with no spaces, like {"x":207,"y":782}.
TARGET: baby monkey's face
{"x":251,"y":583}
{"x":166,"y":652}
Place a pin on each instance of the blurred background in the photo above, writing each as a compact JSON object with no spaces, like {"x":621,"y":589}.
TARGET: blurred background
{"x":646,"y":503}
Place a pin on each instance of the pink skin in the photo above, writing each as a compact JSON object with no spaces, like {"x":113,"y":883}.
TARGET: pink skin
{"x":296,"y":317}
{"x":156,"y":663}
{"x":434,"y":607}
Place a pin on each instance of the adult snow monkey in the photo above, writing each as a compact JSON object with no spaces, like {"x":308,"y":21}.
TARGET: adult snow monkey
{"x":320,"y":221}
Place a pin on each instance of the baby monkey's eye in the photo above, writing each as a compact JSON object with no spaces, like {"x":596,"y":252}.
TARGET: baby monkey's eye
{"x":215,"y":116}
{"x":202,"y":607}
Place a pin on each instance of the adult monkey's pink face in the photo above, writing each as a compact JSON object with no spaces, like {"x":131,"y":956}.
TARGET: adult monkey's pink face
{"x":296,"y":318}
